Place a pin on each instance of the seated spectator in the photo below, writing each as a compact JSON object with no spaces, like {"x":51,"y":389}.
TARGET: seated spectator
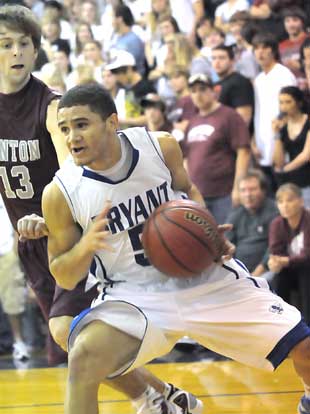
{"x":12,"y":285}
{"x":233,"y":89}
{"x":56,"y":9}
{"x":289,"y":247}
{"x":89,"y":13}
{"x":125,"y":38}
{"x":109,"y":81}
{"x":292,"y":148}
{"x":267,"y":20}
{"x":202,"y":62}
{"x":294,"y":23}
{"x":156,"y":50}
{"x":251,"y":222}
{"x":154,"y":35}
{"x":123,"y":66}
{"x":92,"y":55}
{"x":183,"y":109}
{"x":245,"y":62}
{"x":223,"y":14}
{"x":51,"y":40}
{"x":155,"y":113}
{"x":179,"y":52}
{"x":83,"y":34}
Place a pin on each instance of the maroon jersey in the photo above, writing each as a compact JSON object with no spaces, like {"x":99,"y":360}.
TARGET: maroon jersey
{"x":28,"y":159}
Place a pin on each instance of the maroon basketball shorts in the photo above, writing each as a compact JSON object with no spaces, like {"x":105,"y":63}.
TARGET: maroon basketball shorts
{"x":53,"y":300}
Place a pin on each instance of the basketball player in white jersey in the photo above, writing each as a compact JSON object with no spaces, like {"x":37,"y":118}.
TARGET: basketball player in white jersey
{"x":116,"y":181}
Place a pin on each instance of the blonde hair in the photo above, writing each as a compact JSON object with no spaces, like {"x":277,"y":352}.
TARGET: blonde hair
{"x":183,"y":52}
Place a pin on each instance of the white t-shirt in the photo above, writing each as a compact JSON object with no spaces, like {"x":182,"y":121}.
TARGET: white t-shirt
{"x":266,"y":88}
{"x":183,"y":12}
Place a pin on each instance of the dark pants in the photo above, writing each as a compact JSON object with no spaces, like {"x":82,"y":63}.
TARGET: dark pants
{"x":298,"y":279}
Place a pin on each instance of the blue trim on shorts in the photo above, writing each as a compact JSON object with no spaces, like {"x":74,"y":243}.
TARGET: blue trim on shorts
{"x":77,"y":319}
{"x":287,"y":343}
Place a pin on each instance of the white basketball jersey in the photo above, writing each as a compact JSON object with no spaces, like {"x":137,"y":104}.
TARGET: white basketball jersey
{"x":133,"y":199}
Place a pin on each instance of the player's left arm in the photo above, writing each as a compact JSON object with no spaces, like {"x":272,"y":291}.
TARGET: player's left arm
{"x":174,"y":160}
{"x":52,"y":127}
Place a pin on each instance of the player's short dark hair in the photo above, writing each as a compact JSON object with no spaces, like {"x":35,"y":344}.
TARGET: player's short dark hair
{"x":267,"y":40}
{"x":125,"y":13}
{"x":228,"y":49}
{"x":93,"y":95}
{"x":258,"y":174}
{"x":21,"y":19}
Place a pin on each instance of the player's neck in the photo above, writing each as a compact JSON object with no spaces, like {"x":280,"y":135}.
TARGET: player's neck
{"x":9,"y":87}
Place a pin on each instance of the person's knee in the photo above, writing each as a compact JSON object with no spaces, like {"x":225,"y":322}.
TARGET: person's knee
{"x":60,"y":328}
{"x":301,"y":352}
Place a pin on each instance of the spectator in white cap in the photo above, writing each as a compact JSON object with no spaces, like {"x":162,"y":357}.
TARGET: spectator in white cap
{"x":123,"y":65}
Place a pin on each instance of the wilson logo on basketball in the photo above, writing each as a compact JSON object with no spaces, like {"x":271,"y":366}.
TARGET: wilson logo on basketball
{"x":207,"y":228}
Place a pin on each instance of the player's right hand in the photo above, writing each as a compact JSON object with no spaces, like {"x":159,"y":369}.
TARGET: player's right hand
{"x":31,"y":226}
{"x":96,"y":237}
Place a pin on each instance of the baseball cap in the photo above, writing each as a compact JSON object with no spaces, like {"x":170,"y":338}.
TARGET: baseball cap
{"x":199,"y":78}
{"x":121,"y":59}
{"x":152,"y":99}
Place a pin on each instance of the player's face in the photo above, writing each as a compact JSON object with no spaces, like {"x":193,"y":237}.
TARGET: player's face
{"x":17,"y":57}
{"x":289,"y":204}
{"x":221,"y":62}
{"x":251,"y":194}
{"x":87,"y":136}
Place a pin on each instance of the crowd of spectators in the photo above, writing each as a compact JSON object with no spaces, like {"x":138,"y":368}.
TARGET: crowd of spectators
{"x":230,"y":80}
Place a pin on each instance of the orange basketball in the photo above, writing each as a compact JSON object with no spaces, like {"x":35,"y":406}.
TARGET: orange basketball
{"x":181,"y":238}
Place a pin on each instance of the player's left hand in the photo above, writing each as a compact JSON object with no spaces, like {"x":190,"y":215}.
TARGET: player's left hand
{"x":229,"y":248}
{"x":31,"y":226}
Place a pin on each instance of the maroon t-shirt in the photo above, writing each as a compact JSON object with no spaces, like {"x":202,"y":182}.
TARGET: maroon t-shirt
{"x":28,"y":159}
{"x":284,"y":241}
{"x":210,"y":148}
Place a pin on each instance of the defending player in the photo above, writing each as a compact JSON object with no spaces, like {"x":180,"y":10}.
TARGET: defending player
{"x":29,"y":142}
{"x":140,"y":313}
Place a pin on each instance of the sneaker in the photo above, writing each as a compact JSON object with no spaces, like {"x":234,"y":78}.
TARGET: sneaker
{"x":187,"y":401}
{"x":20,"y":351}
{"x":155,"y":403}
{"x":304,"y":405}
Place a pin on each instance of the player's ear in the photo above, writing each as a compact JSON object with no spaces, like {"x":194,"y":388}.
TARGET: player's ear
{"x":113,"y":121}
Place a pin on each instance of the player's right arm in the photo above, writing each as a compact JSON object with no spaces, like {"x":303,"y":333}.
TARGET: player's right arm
{"x":70,"y":254}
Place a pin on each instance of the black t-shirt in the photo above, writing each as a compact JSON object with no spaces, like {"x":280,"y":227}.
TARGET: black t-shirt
{"x":142,"y":88}
{"x":301,"y":175}
{"x":235,"y":90}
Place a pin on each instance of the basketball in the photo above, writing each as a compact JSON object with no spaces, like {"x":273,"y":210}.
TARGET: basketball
{"x":181,"y":238}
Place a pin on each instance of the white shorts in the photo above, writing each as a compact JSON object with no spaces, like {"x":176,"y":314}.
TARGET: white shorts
{"x":238,"y":317}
